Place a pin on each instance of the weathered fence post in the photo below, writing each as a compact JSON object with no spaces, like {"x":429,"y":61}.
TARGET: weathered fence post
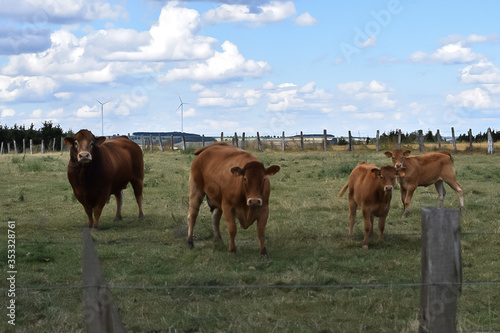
{"x":43,"y":148}
{"x":172,"y":142}
{"x":454,"y":141}
{"x":15,"y":146}
{"x":101,"y":314}
{"x":8,"y":148}
{"x":325,"y":140}
{"x":24,"y":147}
{"x":183,"y":142}
{"x":259,"y":144}
{"x":31,"y":146}
{"x":1,"y":148}
{"x":441,"y":269}
{"x":350,"y":147}
{"x":142,"y":142}
{"x":203,"y":140}
{"x":420,"y":140}
{"x":301,"y":141}
{"x":243,"y":140}
{"x":221,"y":136}
{"x":439,"y":139}
{"x":470,"y":139}
{"x":161,"y":142}
{"x":491,"y":145}
{"x":151,"y":142}
{"x":378,"y":138}
{"x":54,"y":145}
{"x":62,"y":144}
{"x":283,"y":141}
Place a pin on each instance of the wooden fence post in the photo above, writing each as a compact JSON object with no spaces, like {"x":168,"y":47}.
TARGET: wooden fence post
{"x":142,"y":142}
{"x":439,"y":139}
{"x":243,"y":140}
{"x":470,"y":139}
{"x":399,"y":139}
{"x":24,"y":147}
{"x":378,"y":138}
{"x":491,"y":145}
{"x":1,"y":148}
{"x":15,"y":146}
{"x":350,"y":147}
{"x":161,"y":142}
{"x":221,"y":136}
{"x":31,"y":146}
{"x":8,"y":148}
{"x":259,"y":144}
{"x":441,"y":269}
{"x":150,"y":142}
{"x":54,"y":145}
{"x":236,"y":139}
{"x":203,"y":140}
{"x":283,"y":141}
{"x":101,"y":314}
{"x":301,"y":141}
{"x":325,"y":140}
{"x":183,"y":142}
{"x":454,"y":141}
{"x":43,"y":148}
{"x":172,"y":142}
{"x":420,"y":140}
{"x":62,"y":144}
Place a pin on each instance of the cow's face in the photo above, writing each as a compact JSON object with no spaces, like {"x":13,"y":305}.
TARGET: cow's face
{"x":398,"y":156}
{"x":255,"y":179}
{"x":82,"y":145}
{"x":387,"y":176}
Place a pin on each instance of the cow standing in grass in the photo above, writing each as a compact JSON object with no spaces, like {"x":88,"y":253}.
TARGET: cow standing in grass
{"x":98,"y":168}
{"x":424,"y":170}
{"x":371,"y":188}
{"x":236,"y":184}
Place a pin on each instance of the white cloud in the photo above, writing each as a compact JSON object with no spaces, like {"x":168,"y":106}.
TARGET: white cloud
{"x":36,"y":113}
{"x":7,"y":112}
{"x":30,"y":88}
{"x":88,"y":112}
{"x":274,"y":11}
{"x":306,"y":19}
{"x":370,"y":42}
{"x":482,"y":72}
{"x":371,"y":95}
{"x":349,"y":108}
{"x":475,"y":98}
{"x":455,"y":53}
{"x":222,"y":66}
{"x":469,"y":39}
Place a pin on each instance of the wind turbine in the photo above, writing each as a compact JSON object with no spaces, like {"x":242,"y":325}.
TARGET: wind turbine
{"x":102,"y":115}
{"x":181,"y":106}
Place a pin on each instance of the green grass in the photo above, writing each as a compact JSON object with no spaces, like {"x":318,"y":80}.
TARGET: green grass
{"x":306,"y":240}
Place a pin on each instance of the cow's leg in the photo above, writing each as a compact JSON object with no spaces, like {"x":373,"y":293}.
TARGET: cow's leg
{"x":119,"y":204}
{"x":407,"y":201}
{"x":372,"y":218}
{"x":441,"y":192}
{"x":231,"y":226}
{"x":97,"y":216}
{"x":89,"y":211}
{"x":381,"y":227}
{"x":137,"y":186}
{"x":261,"y":233}
{"x":458,"y":190}
{"x":353,"y":206}
{"x":216,"y":216}
{"x":195,"y":200}
{"x":367,"y":227}
{"x":403,"y":194}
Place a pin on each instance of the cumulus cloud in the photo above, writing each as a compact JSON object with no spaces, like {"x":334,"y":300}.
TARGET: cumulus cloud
{"x":306,"y":19}
{"x":474,"y":98}
{"x":455,"y":53}
{"x":482,"y":72}
{"x":222,"y":66}
{"x":88,"y":112}
{"x":17,"y":41}
{"x":6,"y":112}
{"x":373,"y":94}
{"x":370,"y":42}
{"x":30,"y":88}
{"x":271,"y":12}
{"x":469,"y":39}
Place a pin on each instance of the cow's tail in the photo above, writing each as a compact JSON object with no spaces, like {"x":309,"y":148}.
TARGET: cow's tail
{"x":342,"y":191}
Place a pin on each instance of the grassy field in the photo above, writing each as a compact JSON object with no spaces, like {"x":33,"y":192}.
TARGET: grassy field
{"x":143,"y":260}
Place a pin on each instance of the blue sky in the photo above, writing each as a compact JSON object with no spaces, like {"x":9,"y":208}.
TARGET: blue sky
{"x":248,"y":66}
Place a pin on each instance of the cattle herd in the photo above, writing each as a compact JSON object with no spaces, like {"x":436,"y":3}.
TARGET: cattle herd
{"x":237,"y":184}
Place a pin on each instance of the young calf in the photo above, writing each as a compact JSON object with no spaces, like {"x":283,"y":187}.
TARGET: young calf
{"x":370,"y":188}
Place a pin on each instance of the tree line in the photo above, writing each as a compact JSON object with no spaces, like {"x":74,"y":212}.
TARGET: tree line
{"x":47,"y":133}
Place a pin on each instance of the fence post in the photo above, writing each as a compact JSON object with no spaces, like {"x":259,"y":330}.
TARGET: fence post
{"x":150,"y":142}
{"x":453,"y":139}
{"x":15,"y":146}
{"x":221,"y":136}
{"x":441,"y":269}
{"x":142,"y":142}
{"x":301,"y":141}
{"x":236,"y":139}
{"x":54,"y":145}
{"x":183,"y":142}
{"x":43,"y":148}
{"x":325,"y":140}
{"x":24,"y":147}
{"x":491,"y":145}
{"x":350,"y":147}
{"x":101,"y":314}
{"x":172,"y":142}
{"x":420,"y":140}
{"x":259,"y":144}
{"x":439,"y":139}
{"x":31,"y":146}
{"x":399,"y":139}
{"x":8,"y":148}
{"x":161,"y":142}
{"x":1,"y":148}
{"x":203,"y":140}
{"x":283,"y":141}
{"x":470,"y":139}
{"x":378,"y":138}
{"x":243,"y":140}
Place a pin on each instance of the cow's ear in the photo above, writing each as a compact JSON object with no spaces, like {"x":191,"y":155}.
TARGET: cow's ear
{"x":388,"y":154}
{"x":272,"y":170}
{"x":69,"y":141}
{"x":376,"y":172}
{"x":407,"y":153}
{"x":99,"y":140}
{"x":237,"y":171}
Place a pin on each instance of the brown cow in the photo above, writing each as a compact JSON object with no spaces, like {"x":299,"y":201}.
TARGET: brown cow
{"x":425,"y":170}
{"x":236,"y":184}
{"x":98,"y":168}
{"x":370,"y":188}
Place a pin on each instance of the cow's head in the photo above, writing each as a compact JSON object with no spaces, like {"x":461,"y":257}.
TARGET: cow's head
{"x":387,"y":176}
{"x":398,"y":157}
{"x":254,"y":177}
{"x":82,"y":145}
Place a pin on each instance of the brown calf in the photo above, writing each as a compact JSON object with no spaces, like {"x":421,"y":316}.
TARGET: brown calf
{"x":236,"y":184}
{"x":371,"y":188}
{"x":98,"y":168}
{"x":425,"y":170}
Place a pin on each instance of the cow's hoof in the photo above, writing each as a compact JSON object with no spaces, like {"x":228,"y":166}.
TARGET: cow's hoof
{"x":94,"y":229}
{"x":142,"y":216}
{"x":118,"y":218}
{"x":190,"y":244}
